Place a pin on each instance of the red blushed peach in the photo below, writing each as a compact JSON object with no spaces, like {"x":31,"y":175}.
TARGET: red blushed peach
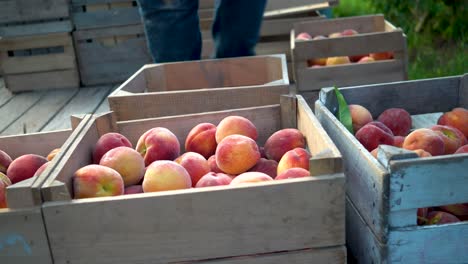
{"x":335,"y":35}
{"x":127,"y":162}
{"x":422,"y":216}
{"x":317,"y":62}
{"x":41,"y":169}
{"x":451,"y":139}
{"x":371,"y":136}
{"x":262,"y":152}
{"x":158,"y":143}
{"x":360,"y":116}
{"x":269,"y":167}
{"x":165,"y":175}
{"x":438,"y":218}
{"x":337,"y":60}
{"x":107,"y":142}
{"x":397,"y":119}
{"x":398,"y":141}
{"x":461,"y":150}
{"x":213,"y":166}
{"x":250,"y":177}
{"x":382,"y":55}
{"x":133,"y":189}
{"x":457,"y":118}
{"x":236,"y":154}
{"x":97,"y":181}
{"x":374,"y":152}
{"x":24,"y":167}
{"x":283,"y":141}
{"x":425,"y":139}
{"x":213,"y":179}
{"x":293,"y":173}
{"x":456,"y":209}
{"x":349,"y":32}
{"x":235,"y":125}
{"x":422,"y":153}
{"x":5,"y":161}
{"x":195,"y":164}
{"x":381,"y":126}
{"x":4,"y":183}
{"x":363,"y":59}
{"x":303,"y":36}
{"x":52,"y":154}
{"x":201,"y":139}
{"x":296,"y":158}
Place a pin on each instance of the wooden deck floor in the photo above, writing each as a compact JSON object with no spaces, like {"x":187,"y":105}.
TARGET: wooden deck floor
{"x":30,"y":112}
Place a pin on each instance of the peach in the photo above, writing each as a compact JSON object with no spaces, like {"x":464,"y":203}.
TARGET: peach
{"x":372,"y":135}
{"x":457,"y":118}
{"x":360,"y":116}
{"x":5,"y":161}
{"x":97,"y":181}
{"x":303,"y":36}
{"x":317,"y":62}
{"x":107,"y":142}
{"x":425,"y":139}
{"x":165,"y":175}
{"x":201,"y":139}
{"x":213,"y":166}
{"x":337,"y":60}
{"x":422,"y":153}
{"x":158,"y":143}
{"x":24,"y":167}
{"x":456,"y":209}
{"x":461,"y":150}
{"x":364,"y":59}
{"x":195,"y":164}
{"x":422,"y":216}
{"x":262,"y":152}
{"x":213,"y":179}
{"x":269,"y":167}
{"x":236,"y":154}
{"x":374,"y":152}
{"x":335,"y":35}
{"x":293,"y":173}
{"x":398,"y":141}
{"x":283,"y":141}
{"x":4,"y":183}
{"x":382,"y":55}
{"x":127,"y":162}
{"x":451,"y":138}
{"x":397,"y":119}
{"x":132,"y":189}
{"x":439,"y":217}
{"x":250,"y":177}
{"x":295,"y":158}
{"x":41,"y":169}
{"x":52,"y":154}
{"x":235,"y":125}
{"x":381,"y":126}
{"x":349,"y":32}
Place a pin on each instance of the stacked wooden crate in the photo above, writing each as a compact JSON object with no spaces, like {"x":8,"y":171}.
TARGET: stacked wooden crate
{"x":36,"y":48}
{"x":110,"y":40}
{"x":384,"y":194}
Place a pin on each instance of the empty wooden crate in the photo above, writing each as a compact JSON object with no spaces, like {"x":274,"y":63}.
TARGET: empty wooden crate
{"x":383,"y":195}
{"x":375,"y":35}
{"x":293,"y":220}
{"x":200,"y":86}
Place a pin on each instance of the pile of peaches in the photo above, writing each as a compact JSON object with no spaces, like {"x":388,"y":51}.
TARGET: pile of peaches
{"x":393,"y":127}
{"x":226,"y":154}
{"x":358,"y":58}
{"x":22,"y":168}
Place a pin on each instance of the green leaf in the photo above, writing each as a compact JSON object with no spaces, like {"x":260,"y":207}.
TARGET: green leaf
{"x":343,"y":111}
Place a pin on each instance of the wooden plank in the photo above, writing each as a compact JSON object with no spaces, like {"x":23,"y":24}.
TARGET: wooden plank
{"x":5,"y":95}
{"x":107,"y":18}
{"x":463,"y":92}
{"x":312,"y":79}
{"x":94,"y":2}
{"x":149,"y":105}
{"x":87,"y":100}
{"x":425,"y":120}
{"x":30,"y":42}
{"x":34,"y":29}
{"x":42,"y":80}
{"x":36,"y":117}
{"x":23,"y":237}
{"x":72,"y":242}
{"x":104,"y":105}
{"x":15,"y":107}
{"x":262,"y":48}
{"x":108,"y":32}
{"x":26,"y":10}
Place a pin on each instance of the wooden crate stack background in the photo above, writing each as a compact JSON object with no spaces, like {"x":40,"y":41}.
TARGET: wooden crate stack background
{"x":36,"y":48}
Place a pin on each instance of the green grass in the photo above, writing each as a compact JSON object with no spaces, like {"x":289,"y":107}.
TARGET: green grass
{"x":428,"y":55}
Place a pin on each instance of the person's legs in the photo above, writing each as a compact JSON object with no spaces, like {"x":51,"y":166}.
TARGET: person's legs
{"x":236,"y":27}
{"x":172,"y":29}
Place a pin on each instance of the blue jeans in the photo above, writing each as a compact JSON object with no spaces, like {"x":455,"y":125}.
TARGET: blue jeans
{"x":173,"y":31}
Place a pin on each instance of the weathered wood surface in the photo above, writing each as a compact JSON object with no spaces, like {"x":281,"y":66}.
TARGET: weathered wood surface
{"x":26,"y":10}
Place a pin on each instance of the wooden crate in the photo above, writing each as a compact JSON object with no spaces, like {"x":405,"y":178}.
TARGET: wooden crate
{"x":376,"y":35}
{"x":200,"y":86}
{"x":15,"y":11}
{"x":38,"y":56}
{"x":296,"y":220}
{"x":23,"y":237}
{"x":384,"y":196}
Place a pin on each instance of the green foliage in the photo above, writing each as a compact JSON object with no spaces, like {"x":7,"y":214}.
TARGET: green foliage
{"x":344,"y":115}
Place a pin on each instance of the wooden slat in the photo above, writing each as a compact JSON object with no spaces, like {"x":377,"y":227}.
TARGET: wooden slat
{"x":87,"y":100}
{"x":25,"y":10}
{"x":39,"y":115}
{"x":262,"y":48}
{"x":42,"y":80}
{"x":362,"y":24}
{"x":15,"y":107}
{"x":5,"y":95}
{"x":34,"y":29}
{"x":108,"y":32}
{"x":30,"y":42}
{"x":463,"y":92}
{"x":107,"y":18}
{"x":23,"y":237}
{"x":94,"y":2}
